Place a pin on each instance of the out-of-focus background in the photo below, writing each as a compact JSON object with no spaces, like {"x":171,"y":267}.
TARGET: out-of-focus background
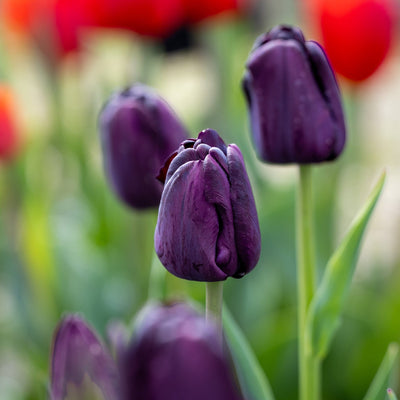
{"x":68,"y":245}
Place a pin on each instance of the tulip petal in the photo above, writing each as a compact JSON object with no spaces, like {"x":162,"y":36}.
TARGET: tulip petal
{"x":79,"y":360}
{"x":245,"y":220}
{"x":139,"y":131}
{"x":330,"y":90}
{"x":175,"y":356}
{"x":180,"y":159}
{"x":217,"y":193}
{"x":293,"y":100}
{"x":187,"y":227}
{"x":211,"y":137}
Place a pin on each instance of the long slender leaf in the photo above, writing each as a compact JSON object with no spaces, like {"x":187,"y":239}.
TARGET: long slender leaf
{"x":326,"y":307}
{"x":252,"y":378}
{"x":380,"y":382}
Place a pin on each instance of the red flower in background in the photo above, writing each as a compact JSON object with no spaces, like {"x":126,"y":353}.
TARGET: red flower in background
{"x":154,"y":18}
{"x":356,"y":34}
{"x":56,"y":25}
{"x":52,"y":24}
{"x":8,"y":125}
{"x":199,"y":10}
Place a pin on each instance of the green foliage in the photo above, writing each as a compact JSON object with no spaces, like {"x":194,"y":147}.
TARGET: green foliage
{"x":326,"y":307}
{"x":254,"y":383}
{"x":380,"y":382}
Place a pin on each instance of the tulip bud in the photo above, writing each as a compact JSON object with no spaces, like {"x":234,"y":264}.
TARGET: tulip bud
{"x":293,"y":100}
{"x":138,"y":132}
{"x":81,"y":367}
{"x":207,"y":226}
{"x":176,"y":355}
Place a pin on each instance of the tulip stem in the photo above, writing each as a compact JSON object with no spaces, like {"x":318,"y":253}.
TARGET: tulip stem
{"x":157,"y":280}
{"x":214,"y":297}
{"x":309,"y":366}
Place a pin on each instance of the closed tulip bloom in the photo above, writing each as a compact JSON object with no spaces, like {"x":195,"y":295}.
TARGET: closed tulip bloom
{"x":293,"y":100}
{"x":207,"y":226}
{"x":176,"y":355}
{"x":81,"y":367}
{"x":138,"y":132}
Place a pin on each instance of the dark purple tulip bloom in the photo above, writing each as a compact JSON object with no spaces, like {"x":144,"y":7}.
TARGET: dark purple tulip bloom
{"x":207,"y":226}
{"x":176,"y":355}
{"x":293,"y":100}
{"x":81,"y":367}
{"x":138,"y":132}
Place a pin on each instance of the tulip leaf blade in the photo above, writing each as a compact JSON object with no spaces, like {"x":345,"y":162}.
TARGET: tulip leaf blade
{"x":380,"y":382}
{"x":253,"y":381}
{"x":323,"y":317}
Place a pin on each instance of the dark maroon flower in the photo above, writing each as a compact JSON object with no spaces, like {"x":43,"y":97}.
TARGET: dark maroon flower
{"x":207,"y":226}
{"x":138,"y":132}
{"x":176,"y":355}
{"x":293,"y":99}
{"x":80,"y":364}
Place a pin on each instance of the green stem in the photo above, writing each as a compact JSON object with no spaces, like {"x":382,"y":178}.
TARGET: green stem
{"x":214,"y":299}
{"x":157,"y":280}
{"x":309,"y":366}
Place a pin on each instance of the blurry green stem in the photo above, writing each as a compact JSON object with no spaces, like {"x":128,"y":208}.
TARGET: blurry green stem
{"x":309,"y":366}
{"x":214,"y":297}
{"x":157,"y":280}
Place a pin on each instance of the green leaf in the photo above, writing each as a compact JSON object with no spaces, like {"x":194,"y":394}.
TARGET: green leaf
{"x":380,"y":382}
{"x":323,"y":316}
{"x":391,"y":394}
{"x":254,"y":383}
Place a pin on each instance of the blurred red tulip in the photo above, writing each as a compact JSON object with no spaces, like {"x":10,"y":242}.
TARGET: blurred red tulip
{"x":154,"y":18}
{"x":8,"y":125}
{"x":199,"y":10}
{"x":56,"y":25}
{"x":52,"y":24}
{"x":356,"y":34}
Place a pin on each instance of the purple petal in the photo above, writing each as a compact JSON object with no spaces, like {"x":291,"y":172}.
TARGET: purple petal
{"x":175,"y":355}
{"x":293,"y":100}
{"x":245,"y":219}
{"x":329,"y":88}
{"x":138,"y":132}
{"x":217,"y":193}
{"x":187,"y":226}
{"x":180,"y":159}
{"x":211,"y":137}
{"x":78,"y":355}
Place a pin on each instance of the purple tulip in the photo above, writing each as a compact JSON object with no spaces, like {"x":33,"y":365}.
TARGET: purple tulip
{"x":207,"y":226}
{"x":138,"y":132}
{"x":175,"y":355}
{"x":81,"y":367}
{"x":293,"y":100}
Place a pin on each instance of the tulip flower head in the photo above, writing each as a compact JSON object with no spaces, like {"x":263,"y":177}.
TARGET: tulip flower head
{"x":207,"y":226}
{"x":81,"y":366}
{"x":173,"y":355}
{"x":357,"y":34}
{"x":176,"y":355}
{"x":138,"y":132}
{"x":293,"y":100}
